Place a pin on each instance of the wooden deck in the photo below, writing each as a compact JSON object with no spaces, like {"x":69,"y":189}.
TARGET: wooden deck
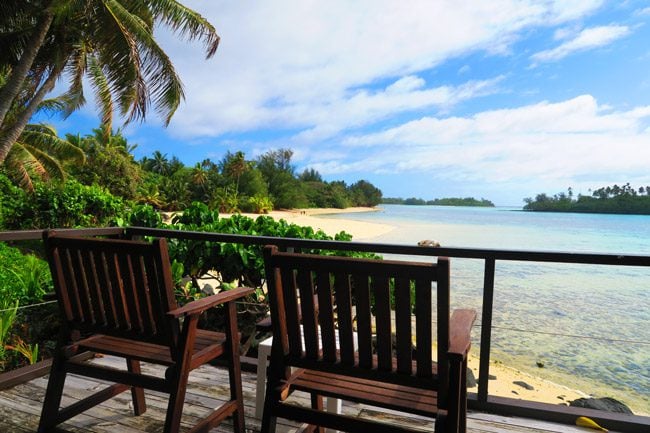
{"x":20,"y":408}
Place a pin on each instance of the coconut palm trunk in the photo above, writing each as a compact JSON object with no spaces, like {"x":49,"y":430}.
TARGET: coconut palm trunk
{"x":19,"y":73}
{"x":10,"y":135}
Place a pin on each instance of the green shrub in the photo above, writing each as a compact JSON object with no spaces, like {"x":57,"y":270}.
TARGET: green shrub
{"x":143,"y":215}
{"x":10,"y":197}
{"x":23,"y":278}
{"x":70,"y":204}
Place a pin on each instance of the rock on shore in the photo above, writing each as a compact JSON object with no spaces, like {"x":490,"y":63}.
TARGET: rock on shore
{"x":606,"y":404}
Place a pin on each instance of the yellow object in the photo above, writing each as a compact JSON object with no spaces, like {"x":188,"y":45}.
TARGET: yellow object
{"x":583,"y":421}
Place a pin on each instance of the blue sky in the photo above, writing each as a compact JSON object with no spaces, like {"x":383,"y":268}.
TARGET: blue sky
{"x":501,"y":99}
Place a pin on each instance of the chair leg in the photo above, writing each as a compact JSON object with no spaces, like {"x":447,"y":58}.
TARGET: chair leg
{"x":234,"y":368}
{"x":176,"y":402}
{"x":462,"y":413}
{"x":178,"y":375}
{"x":268,"y":420}
{"x":53,"y":395}
{"x":317,"y":403}
{"x":137,"y":393}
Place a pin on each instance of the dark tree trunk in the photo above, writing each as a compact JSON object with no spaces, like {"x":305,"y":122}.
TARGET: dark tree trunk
{"x":18,"y":74}
{"x":11,"y":134}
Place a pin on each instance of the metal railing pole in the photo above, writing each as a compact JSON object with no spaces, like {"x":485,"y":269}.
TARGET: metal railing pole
{"x":486,"y":331}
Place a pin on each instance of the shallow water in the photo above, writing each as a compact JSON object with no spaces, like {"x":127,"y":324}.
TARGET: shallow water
{"x":588,"y":324}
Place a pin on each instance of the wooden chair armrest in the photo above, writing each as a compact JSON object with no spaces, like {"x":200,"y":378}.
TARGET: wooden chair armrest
{"x":200,"y":305}
{"x":460,"y":327}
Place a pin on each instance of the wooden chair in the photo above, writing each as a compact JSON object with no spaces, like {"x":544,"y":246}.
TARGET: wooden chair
{"x":116,"y":297}
{"x":387,"y":372}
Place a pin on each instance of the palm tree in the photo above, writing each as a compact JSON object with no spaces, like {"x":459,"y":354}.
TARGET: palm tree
{"x":40,"y":153}
{"x":113,"y":140}
{"x":110,"y":42}
{"x":234,"y":166}
{"x":199,"y":174}
{"x":158,"y":163}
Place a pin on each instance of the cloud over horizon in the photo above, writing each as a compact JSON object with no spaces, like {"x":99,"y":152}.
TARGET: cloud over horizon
{"x":545,"y":140}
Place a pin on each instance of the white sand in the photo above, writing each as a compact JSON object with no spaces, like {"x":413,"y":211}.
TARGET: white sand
{"x":360,"y":230}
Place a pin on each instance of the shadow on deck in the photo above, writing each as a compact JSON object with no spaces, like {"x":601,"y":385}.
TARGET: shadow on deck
{"x":20,"y":408}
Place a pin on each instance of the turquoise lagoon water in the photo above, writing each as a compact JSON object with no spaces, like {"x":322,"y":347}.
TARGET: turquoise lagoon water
{"x":588,"y":324}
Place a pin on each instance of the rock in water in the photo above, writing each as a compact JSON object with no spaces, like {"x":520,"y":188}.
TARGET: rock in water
{"x":606,"y":404}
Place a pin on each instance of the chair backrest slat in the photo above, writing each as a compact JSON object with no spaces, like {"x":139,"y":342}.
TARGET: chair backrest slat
{"x":291,"y":311}
{"x":344,"y":315}
{"x":113,"y":287}
{"x":382,"y":307}
{"x":101,"y":282}
{"x":326,"y":317}
{"x":89,"y":276}
{"x":308,"y":312}
{"x":353,"y":295}
{"x":116,"y":289}
{"x":364,"y":320}
{"x":129,"y":288}
{"x":423,"y":322}
{"x":144,"y":295}
{"x":403,"y":342}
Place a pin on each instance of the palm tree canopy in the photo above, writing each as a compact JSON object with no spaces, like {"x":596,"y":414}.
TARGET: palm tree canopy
{"x":111,"y":42}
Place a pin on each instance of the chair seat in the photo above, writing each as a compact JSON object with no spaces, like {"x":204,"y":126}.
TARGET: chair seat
{"x":207,"y":344}
{"x":391,"y":396}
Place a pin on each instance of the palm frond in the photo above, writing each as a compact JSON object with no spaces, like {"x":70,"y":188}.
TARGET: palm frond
{"x":22,"y":167}
{"x":126,"y":72}
{"x":51,"y":167}
{"x":166,"y":89}
{"x":45,"y":138}
{"x":77,"y":65}
{"x":187,"y":23}
{"x":99,"y":82}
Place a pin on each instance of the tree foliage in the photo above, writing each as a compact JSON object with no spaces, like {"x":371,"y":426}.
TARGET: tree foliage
{"x":108,"y":42}
{"x":69,"y":204}
{"x":611,"y":199}
{"x":450,"y":201}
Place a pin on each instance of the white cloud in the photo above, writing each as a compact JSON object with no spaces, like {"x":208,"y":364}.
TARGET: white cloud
{"x":282,"y":63}
{"x":644,"y":11}
{"x":572,"y":139}
{"x":587,"y":39}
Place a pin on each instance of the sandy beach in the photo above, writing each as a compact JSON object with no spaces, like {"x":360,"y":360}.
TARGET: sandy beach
{"x":507,"y":381}
{"x":360,"y":230}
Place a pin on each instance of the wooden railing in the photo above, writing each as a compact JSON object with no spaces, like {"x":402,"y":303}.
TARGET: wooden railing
{"x":480,"y":401}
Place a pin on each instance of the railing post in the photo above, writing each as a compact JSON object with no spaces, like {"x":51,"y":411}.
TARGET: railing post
{"x":486,"y":331}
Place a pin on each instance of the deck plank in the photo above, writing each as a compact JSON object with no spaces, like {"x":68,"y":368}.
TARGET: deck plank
{"x":20,"y":407}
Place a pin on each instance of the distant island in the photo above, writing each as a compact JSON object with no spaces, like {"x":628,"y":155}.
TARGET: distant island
{"x":451,"y":201}
{"x":611,"y":199}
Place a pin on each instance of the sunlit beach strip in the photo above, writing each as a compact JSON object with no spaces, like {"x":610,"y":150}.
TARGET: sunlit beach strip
{"x":360,"y":230}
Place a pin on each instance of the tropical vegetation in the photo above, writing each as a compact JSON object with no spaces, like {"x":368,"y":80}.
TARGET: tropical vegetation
{"x":450,"y":201}
{"x":108,"y":43}
{"x":617,"y":199}
{"x":49,"y":181}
